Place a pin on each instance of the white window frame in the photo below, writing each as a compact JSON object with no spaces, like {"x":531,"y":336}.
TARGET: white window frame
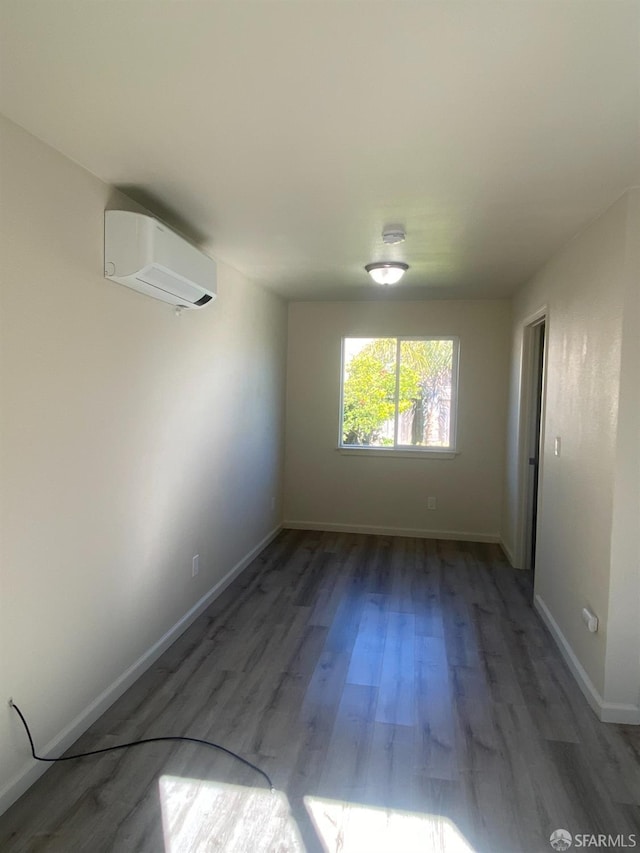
{"x":448,"y":452}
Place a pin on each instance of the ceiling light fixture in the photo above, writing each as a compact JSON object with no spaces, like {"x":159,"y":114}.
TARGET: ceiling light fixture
{"x":387,"y":272}
{"x":393,"y":234}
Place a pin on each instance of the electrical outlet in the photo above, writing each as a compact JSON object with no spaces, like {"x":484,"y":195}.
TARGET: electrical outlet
{"x":432,"y":503}
{"x":195,"y":565}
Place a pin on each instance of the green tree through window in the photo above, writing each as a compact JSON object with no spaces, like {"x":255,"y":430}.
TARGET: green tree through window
{"x":399,"y":392}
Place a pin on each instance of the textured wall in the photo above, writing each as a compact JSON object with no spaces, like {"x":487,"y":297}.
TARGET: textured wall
{"x":590,"y":290}
{"x":325,"y":486}
{"x":132,"y":439}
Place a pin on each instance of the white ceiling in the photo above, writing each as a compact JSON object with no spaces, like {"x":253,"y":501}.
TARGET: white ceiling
{"x":284,"y":135}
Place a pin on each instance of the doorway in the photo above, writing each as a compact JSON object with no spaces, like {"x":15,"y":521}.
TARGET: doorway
{"x":535,"y":334}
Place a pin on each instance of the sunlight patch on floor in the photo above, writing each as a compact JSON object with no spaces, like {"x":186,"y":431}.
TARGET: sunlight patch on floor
{"x":199,"y":815}
{"x":355,"y":828}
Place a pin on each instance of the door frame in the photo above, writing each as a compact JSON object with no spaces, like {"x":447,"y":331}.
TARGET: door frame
{"x":527,"y":402}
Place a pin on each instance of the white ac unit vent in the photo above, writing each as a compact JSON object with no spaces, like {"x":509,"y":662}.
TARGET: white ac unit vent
{"x":144,"y":254}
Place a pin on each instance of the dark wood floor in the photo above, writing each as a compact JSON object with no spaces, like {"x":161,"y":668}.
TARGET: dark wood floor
{"x":400,"y":674}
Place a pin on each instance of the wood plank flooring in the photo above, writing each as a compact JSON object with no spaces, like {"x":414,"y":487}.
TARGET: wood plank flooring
{"x":402,"y":688}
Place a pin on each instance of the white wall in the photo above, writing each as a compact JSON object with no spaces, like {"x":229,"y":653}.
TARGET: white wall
{"x":622,"y":665}
{"x":329,"y":489}
{"x":587,"y":551}
{"x":132,"y":439}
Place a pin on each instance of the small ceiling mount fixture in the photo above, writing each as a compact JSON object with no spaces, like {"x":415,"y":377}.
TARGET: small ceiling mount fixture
{"x":387,"y":272}
{"x":393,"y":234}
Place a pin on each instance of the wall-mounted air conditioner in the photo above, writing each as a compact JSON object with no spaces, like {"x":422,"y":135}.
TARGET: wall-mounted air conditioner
{"x":144,"y":254}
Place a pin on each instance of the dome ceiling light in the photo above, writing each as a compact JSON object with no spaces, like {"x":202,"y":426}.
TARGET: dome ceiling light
{"x":387,"y":272}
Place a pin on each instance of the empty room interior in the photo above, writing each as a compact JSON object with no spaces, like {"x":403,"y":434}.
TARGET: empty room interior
{"x":320,"y":425}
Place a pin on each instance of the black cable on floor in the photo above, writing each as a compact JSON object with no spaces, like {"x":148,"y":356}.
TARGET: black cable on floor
{"x":139,"y":743}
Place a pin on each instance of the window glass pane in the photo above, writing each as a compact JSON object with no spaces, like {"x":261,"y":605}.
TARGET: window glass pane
{"x":369,"y":386}
{"x":424,"y":405}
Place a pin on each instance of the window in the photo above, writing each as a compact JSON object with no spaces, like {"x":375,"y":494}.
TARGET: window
{"x":399,"y":393}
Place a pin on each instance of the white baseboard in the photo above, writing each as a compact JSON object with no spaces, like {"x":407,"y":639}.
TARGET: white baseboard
{"x":509,"y":553}
{"x":608,"y":712}
{"x":617,"y":712}
{"x":68,"y":736}
{"x":331,"y":527}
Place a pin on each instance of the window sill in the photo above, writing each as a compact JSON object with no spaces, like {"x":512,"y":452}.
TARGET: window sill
{"x":393,"y":452}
